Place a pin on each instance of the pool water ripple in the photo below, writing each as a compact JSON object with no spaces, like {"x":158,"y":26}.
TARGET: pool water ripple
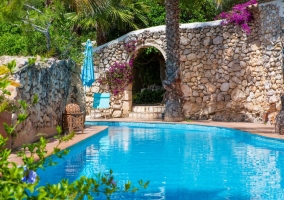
{"x":181,"y":161}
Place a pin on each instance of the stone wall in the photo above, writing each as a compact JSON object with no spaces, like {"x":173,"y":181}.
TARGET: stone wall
{"x":278,"y":3}
{"x":53,"y":81}
{"x":226,"y":74}
{"x":233,"y":76}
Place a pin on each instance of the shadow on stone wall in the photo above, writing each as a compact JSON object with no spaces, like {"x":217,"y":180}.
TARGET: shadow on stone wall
{"x":53,"y":81}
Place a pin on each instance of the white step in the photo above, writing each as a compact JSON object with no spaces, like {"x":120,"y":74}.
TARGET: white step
{"x":147,"y":112}
{"x":152,"y":109}
{"x":143,"y":115}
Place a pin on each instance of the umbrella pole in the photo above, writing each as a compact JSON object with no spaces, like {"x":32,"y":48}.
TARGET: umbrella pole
{"x":85,"y":99}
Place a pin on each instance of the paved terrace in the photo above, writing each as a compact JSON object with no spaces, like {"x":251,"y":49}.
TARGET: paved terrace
{"x":254,"y":128}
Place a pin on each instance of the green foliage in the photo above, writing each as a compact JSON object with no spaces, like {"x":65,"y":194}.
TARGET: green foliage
{"x":27,"y":34}
{"x":151,"y":50}
{"x":21,"y":182}
{"x":147,"y":68}
{"x":12,"y":40}
{"x":191,"y":11}
{"x":156,"y":14}
{"x":105,"y":16}
{"x":148,"y":97}
{"x":5,"y":81}
{"x":204,"y":10}
{"x":20,"y":32}
{"x":228,"y":4}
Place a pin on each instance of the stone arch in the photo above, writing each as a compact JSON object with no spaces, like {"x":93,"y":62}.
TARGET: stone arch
{"x":146,"y":45}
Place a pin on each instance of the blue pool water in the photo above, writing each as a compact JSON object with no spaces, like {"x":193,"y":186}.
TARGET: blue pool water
{"x":181,"y":161}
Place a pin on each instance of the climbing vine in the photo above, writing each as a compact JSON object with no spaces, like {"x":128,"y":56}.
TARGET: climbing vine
{"x":130,"y":45}
{"x":118,"y":77}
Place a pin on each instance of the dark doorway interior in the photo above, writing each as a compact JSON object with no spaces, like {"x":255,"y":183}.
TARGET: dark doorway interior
{"x":149,"y":72}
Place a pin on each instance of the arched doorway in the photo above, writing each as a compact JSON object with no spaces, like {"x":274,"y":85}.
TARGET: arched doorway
{"x":149,"y":72}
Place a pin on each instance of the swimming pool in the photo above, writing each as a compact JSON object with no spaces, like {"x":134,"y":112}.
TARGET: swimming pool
{"x":181,"y":161}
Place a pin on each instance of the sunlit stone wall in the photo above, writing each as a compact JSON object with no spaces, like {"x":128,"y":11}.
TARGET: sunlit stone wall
{"x":227,"y":75}
{"x":232,"y":76}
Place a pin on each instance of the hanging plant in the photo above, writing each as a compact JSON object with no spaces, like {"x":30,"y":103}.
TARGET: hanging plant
{"x":118,"y":77}
{"x":240,"y":15}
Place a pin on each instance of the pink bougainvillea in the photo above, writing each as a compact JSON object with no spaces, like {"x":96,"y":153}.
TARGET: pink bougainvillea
{"x":240,"y":15}
{"x":130,"y":46}
{"x":118,"y":77}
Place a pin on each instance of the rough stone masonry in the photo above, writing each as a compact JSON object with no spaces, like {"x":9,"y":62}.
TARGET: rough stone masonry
{"x":227,"y":75}
{"x":53,"y":81}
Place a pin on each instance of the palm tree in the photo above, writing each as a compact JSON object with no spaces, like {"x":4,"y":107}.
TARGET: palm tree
{"x":105,"y":14}
{"x":174,"y":101}
{"x":173,"y":109}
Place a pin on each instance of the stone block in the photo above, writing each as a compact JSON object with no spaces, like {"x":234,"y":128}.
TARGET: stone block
{"x":127,"y":95}
{"x":186,"y":90}
{"x":209,"y":109}
{"x":218,"y":40}
{"x":126,"y":107}
{"x":116,"y":106}
{"x":225,"y":87}
{"x":238,"y":95}
{"x":95,"y":89}
{"x":191,"y":56}
{"x":210,"y":87}
{"x":117,"y":114}
{"x":184,"y":41}
{"x":207,"y":41}
{"x":191,"y":108}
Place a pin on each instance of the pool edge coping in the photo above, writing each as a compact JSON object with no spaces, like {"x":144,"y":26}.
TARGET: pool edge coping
{"x":89,"y":131}
{"x":265,"y":130}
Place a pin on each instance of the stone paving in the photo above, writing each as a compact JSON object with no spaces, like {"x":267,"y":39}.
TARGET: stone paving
{"x":254,"y":128}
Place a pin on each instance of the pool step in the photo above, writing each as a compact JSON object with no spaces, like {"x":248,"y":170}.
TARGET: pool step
{"x":147,"y":112}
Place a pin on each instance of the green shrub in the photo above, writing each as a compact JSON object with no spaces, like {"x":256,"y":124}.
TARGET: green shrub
{"x":149,"y":96}
{"x":12,"y":44}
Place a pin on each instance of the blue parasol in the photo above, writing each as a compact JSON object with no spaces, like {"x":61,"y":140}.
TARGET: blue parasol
{"x":88,"y":76}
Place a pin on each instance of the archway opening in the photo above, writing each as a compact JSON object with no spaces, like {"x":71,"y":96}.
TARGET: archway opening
{"x":149,"y":72}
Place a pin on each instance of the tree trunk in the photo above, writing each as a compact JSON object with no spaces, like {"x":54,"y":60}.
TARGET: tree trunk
{"x":173,"y":109}
{"x":101,"y":36}
{"x":47,"y":37}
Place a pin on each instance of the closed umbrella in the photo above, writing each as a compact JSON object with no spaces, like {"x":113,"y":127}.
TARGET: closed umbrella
{"x":88,"y":76}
